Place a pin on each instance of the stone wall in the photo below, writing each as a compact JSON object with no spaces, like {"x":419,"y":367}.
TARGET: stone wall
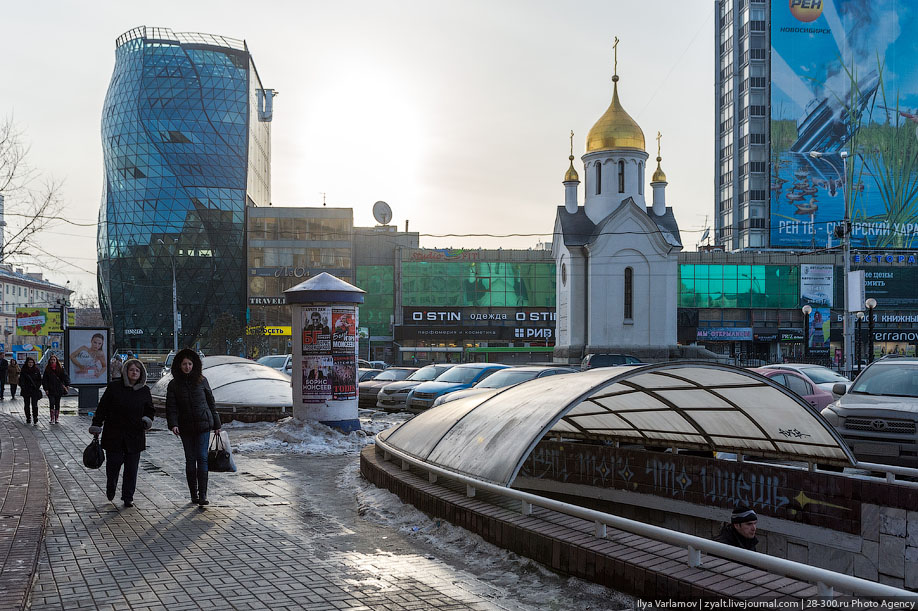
{"x":858,"y":526}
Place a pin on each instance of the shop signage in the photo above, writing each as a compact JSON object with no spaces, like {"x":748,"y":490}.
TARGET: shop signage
{"x":816,"y":284}
{"x":725,"y":334}
{"x":908,"y":258}
{"x":899,"y":335}
{"x":133,"y":331}
{"x":267,"y":301}
{"x":791,"y":335}
{"x":447,"y":333}
{"x":414,"y":315}
{"x":765,"y":337}
{"x":444,"y":254}
{"x":533,"y":333}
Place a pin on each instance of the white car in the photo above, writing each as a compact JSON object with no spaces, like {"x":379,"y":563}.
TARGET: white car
{"x":281,"y":362}
{"x":823,"y":377}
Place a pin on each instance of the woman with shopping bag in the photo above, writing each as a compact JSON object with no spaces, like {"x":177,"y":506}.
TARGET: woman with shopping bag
{"x":124,"y":414}
{"x":192,"y":415}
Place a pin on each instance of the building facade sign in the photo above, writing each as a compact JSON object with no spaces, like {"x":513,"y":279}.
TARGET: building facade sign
{"x":262,"y":301}
{"x":444,"y":254}
{"x":502,"y":316}
{"x":908,"y":258}
{"x":725,"y":334}
{"x":817,"y":284}
{"x":471,"y":333}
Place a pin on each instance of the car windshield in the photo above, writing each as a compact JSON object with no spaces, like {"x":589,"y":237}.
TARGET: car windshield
{"x":393,"y":374}
{"x":821,"y":375}
{"x":426,"y":374}
{"x":893,"y":379}
{"x":272,"y":361}
{"x":506,"y":377}
{"x":368,"y":374}
{"x":459,"y":375}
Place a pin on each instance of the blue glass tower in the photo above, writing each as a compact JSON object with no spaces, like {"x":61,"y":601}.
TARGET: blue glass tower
{"x":186,"y":142}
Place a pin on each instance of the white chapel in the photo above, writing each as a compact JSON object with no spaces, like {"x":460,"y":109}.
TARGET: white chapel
{"x":616,"y":257}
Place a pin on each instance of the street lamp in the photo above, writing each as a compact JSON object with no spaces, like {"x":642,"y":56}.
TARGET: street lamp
{"x":174,"y":299}
{"x":871,"y":303}
{"x":806,"y":330}
{"x":846,"y":249}
{"x":857,"y":341}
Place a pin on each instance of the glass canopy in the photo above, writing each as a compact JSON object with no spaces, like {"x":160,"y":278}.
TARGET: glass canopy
{"x":238,"y":381}
{"x":682,"y":404}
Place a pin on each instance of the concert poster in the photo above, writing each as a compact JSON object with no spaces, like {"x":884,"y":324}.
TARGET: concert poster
{"x":317,"y":379}
{"x":316,"y":331}
{"x":344,"y":377}
{"x":344,"y":331}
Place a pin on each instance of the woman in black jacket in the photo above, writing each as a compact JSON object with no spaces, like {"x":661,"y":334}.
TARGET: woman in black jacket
{"x":192,"y":414}
{"x":30,"y":388}
{"x":124,"y":414}
{"x":55,"y":381}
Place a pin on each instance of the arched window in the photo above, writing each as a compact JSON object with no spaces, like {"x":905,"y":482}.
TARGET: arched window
{"x":640,"y":178}
{"x":621,"y":176}
{"x":598,"y":178}
{"x":629,"y":293}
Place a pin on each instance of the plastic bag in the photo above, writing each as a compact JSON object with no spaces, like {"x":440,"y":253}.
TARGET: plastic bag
{"x":93,"y":455}
{"x":219,"y":454}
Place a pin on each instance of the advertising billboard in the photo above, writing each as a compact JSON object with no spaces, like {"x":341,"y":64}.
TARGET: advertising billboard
{"x":844,"y":122}
{"x":41,"y":321}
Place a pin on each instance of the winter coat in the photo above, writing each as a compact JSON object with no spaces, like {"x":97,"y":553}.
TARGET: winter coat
{"x":121,"y":412}
{"x":190,"y":403}
{"x":30,"y":382}
{"x":729,"y":536}
{"x":54,"y":381}
{"x":13,"y":372}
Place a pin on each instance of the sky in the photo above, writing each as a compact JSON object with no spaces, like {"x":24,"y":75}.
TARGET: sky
{"x":456,"y":113}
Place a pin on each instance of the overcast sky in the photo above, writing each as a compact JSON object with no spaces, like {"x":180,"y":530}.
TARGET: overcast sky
{"x":457,"y":113}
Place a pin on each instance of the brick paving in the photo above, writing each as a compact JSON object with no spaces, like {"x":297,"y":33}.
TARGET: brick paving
{"x":279,"y":534}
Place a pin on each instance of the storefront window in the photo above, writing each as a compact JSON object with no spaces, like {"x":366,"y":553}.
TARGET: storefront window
{"x":739,"y":286}
{"x":478,"y":283}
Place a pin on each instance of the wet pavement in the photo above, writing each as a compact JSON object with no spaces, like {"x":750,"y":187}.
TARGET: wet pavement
{"x":286,"y":531}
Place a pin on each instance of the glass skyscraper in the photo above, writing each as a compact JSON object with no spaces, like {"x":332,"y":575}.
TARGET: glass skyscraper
{"x":186,"y":142}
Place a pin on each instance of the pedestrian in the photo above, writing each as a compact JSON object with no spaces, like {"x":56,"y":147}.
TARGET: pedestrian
{"x":4,"y":369}
{"x":116,"y":366}
{"x":191,"y":413}
{"x":30,"y":389}
{"x":13,"y":376}
{"x":56,"y":383}
{"x":740,"y":532}
{"x":124,"y":414}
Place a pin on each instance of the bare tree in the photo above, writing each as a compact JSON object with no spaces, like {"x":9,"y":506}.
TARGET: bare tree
{"x":31,"y":203}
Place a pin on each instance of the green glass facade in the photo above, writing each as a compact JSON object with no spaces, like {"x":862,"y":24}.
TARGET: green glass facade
{"x":379,"y":302}
{"x":478,"y":284}
{"x":739,"y":286}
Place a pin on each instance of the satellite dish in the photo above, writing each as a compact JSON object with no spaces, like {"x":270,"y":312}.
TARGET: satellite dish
{"x":382,"y":212}
{"x":707,"y":232}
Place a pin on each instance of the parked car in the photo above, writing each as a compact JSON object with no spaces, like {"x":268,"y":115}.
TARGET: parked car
{"x":364,"y":374}
{"x":504,"y":378}
{"x":379,"y":364}
{"x":878,"y":415}
{"x":823,"y":377}
{"x":392,"y":397}
{"x":366,"y":364}
{"x":281,"y":362}
{"x":167,"y":364}
{"x":592,"y":361}
{"x":459,"y":377}
{"x":797,"y":382}
{"x":367,"y":390}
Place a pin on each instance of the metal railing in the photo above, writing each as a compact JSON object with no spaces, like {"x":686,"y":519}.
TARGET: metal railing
{"x":826,"y":581}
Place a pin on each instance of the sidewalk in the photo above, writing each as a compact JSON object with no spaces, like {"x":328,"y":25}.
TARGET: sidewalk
{"x":282,"y":533}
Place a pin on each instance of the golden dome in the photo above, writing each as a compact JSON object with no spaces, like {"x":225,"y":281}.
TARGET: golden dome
{"x":658,"y":176}
{"x":615,"y":129}
{"x":571,"y":174}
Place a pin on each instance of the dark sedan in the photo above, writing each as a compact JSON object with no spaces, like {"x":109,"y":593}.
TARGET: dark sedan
{"x":368,"y":390}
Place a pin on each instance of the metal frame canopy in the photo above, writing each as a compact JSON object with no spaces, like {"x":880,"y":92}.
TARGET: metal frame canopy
{"x":694,"y":405}
{"x":236,"y":381}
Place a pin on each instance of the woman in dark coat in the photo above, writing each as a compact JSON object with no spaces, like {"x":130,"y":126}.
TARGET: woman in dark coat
{"x":192,"y":415}
{"x":30,"y":388}
{"x":55,"y":381}
{"x":13,"y":376}
{"x":124,"y":414}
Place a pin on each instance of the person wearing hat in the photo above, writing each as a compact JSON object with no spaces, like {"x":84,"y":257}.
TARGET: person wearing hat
{"x":740,"y":532}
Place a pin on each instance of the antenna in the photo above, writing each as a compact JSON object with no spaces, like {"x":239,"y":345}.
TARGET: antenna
{"x":382,"y":212}
{"x":322,"y":193}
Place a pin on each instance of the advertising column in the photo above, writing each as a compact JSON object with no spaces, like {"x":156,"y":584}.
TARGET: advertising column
{"x":324,"y":374}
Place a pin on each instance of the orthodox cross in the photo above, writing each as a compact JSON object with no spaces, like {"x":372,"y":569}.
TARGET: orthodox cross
{"x":659,"y":137}
{"x":615,"y":52}
{"x":572,"y":144}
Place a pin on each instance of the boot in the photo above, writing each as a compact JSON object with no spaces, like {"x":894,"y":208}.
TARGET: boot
{"x":202,"y":489}
{"x":192,"y":487}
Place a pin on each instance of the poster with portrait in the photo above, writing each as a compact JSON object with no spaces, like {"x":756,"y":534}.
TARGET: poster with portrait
{"x":344,"y":377}
{"x":317,"y":379}
{"x":344,"y":331}
{"x":86,"y":355}
{"x":316,"y":330}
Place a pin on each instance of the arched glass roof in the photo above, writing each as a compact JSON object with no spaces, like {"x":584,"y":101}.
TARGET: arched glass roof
{"x":238,"y":381}
{"x":681,"y":404}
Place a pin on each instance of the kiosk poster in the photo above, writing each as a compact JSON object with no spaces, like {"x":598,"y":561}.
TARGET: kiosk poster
{"x":316,"y":332}
{"x":344,"y":331}
{"x":317,"y":382}
{"x":87,"y":350}
{"x":344,"y":377}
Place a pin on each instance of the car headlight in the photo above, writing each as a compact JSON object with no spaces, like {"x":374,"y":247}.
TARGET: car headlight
{"x":831,"y":416}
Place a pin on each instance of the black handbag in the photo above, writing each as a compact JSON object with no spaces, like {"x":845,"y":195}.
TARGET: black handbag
{"x":218,"y":459}
{"x":93,"y":455}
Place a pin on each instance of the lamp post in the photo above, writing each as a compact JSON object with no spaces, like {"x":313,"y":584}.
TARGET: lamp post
{"x":871,"y":303}
{"x":806,"y":330}
{"x":857,"y":341}
{"x":845,"y":234}
{"x":174,"y":299}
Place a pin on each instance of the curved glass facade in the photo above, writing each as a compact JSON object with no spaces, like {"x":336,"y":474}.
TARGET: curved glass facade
{"x":186,"y":145}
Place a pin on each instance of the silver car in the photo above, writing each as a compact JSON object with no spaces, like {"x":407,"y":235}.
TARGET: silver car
{"x":392,"y":397}
{"x":823,"y":377}
{"x":878,"y":416}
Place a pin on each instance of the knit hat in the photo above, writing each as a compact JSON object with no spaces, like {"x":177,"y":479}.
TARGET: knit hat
{"x":743,"y":514}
